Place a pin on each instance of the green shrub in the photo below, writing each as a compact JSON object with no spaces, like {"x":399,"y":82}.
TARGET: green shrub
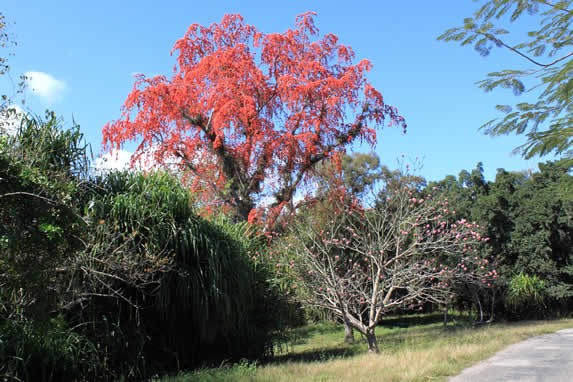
{"x":168,"y":289}
{"x":526,"y":295}
{"x":52,"y":353}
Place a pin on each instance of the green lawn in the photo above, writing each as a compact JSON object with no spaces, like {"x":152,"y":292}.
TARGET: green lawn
{"x":415,"y":348}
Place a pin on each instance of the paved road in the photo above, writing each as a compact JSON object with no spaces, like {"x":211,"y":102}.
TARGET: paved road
{"x":544,"y":358}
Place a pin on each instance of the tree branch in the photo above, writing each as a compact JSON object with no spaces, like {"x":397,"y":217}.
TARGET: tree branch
{"x":554,"y":6}
{"x":22,"y":193}
{"x":528,"y":58}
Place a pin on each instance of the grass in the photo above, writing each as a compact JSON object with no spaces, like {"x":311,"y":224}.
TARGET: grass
{"x":418,"y":348}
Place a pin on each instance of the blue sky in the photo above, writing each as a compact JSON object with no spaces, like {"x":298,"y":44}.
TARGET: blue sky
{"x":84,"y":55}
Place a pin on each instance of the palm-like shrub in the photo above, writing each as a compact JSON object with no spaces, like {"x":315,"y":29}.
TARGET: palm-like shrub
{"x":164,"y":288}
{"x":526,"y":295}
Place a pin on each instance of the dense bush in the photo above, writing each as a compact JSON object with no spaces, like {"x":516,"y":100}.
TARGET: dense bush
{"x":174,"y":288}
{"x":42,"y":170}
{"x":526,"y":296}
{"x":116,"y":276}
{"x":49,"y":353}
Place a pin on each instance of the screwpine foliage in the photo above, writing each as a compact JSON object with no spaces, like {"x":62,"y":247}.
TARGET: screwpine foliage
{"x":547,"y":122}
{"x":526,"y":294}
{"x":175,"y":288}
{"x":116,"y":277}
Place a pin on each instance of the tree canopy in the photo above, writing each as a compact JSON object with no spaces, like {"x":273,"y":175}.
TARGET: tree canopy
{"x":404,"y":252}
{"x":3,"y":42}
{"x":247,"y":115}
{"x":527,"y":217}
{"x":548,"y":121}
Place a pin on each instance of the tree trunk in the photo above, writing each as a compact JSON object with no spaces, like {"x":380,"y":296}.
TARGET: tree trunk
{"x":478,"y":302}
{"x":348,"y":333}
{"x":491,"y":316}
{"x":244,"y":207}
{"x":372,"y":341}
{"x":446,"y":315}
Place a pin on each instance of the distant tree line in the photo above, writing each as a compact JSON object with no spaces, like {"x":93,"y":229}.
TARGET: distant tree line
{"x":520,"y":269}
{"x":528,"y":218}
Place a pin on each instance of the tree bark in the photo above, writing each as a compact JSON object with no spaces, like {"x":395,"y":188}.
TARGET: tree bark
{"x":478,"y":303}
{"x":372,"y":341}
{"x":348,"y":332}
{"x":491,"y":316}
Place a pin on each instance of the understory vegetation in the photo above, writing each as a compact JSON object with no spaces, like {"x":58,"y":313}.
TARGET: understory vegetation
{"x":415,"y":348}
{"x":122,"y":275}
{"x":116,"y":276}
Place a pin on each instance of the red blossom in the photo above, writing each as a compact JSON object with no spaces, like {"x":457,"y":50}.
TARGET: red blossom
{"x":248,"y":115}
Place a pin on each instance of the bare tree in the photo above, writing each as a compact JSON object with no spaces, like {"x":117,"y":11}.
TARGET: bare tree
{"x":400,"y":253}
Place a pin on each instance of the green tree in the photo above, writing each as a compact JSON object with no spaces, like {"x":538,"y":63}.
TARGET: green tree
{"x":464,"y":191}
{"x":548,"y":121}
{"x":527,"y":218}
{"x":542,"y":239}
{"x":361,"y":171}
{"x":41,"y":168}
{"x":42,"y":171}
{"x":6,"y":43}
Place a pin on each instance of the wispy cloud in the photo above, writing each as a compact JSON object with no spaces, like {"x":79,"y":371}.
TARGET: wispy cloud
{"x":47,"y":87}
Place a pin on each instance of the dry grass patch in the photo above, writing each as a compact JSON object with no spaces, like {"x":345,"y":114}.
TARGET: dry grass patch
{"x":418,"y":353}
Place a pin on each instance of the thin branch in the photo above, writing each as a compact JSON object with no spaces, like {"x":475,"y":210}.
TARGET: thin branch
{"x":554,"y":6}
{"x":496,"y":40}
{"x":189,"y":164}
{"x":22,"y":193}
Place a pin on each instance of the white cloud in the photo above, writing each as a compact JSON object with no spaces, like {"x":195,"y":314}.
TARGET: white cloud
{"x":116,"y":160}
{"x":10,"y":118}
{"x":122,"y":160}
{"x":45,"y":86}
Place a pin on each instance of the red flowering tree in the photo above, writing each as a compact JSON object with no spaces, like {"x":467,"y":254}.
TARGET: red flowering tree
{"x":248,"y":115}
{"x":401,"y":253}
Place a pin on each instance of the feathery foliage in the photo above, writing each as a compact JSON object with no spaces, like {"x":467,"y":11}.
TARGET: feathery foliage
{"x":548,"y":121}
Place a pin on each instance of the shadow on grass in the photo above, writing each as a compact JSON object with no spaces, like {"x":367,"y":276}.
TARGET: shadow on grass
{"x":319,"y":355}
{"x":393,"y":334}
{"x":302,"y":335}
{"x":412,"y":320}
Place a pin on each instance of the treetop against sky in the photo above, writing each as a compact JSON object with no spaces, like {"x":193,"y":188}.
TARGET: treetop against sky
{"x":84,"y":64}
